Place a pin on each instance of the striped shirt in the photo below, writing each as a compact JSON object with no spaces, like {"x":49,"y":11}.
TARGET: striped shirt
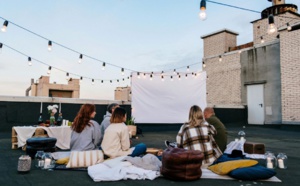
{"x":199,"y":138}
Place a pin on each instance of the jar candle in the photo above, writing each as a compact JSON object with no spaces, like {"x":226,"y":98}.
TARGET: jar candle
{"x":271,"y":161}
{"x":242,"y":135}
{"x":48,"y":162}
{"x":38,"y":159}
{"x":282,"y":160}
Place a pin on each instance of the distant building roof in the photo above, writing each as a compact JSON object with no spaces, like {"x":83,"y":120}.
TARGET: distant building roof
{"x":220,"y":31}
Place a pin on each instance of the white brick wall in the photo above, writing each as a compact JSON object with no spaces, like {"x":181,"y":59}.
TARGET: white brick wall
{"x":290,"y":75}
{"x":224,"y":80}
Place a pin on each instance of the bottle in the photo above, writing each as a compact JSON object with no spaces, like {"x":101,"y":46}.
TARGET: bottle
{"x":59,"y":119}
{"x":40,"y":119}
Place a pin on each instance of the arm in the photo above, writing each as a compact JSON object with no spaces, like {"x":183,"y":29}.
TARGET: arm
{"x":179,"y":137}
{"x":96,"y":134}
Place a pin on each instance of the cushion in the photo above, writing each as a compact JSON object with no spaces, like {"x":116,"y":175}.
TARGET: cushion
{"x":181,"y":164}
{"x":139,"y":149}
{"x":41,"y":142}
{"x":256,"y":172}
{"x":62,"y":161}
{"x":226,"y":167}
{"x":85,"y":158}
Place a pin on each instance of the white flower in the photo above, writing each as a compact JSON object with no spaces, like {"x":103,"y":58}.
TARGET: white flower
{"x":50,"y":107}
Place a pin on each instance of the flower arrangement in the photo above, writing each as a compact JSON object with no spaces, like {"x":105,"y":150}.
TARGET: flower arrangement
{"x":52,"y":109}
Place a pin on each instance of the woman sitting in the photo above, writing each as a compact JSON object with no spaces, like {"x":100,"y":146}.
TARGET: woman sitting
{"x":85,"y":132}
{"x":197,"y":135}
{"x":116,"y":140}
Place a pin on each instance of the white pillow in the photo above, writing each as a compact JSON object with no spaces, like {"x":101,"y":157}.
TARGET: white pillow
{"x":85,"y":158}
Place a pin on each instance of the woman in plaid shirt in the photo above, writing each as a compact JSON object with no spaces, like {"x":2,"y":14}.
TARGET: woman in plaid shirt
{"x":198,"y":135}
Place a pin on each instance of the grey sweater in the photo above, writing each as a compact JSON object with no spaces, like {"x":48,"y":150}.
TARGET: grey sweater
{"x":104,"y":124}
{"x":88,"y":139}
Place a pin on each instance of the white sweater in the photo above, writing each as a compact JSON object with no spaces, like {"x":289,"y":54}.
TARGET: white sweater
{"x":116,"y":140}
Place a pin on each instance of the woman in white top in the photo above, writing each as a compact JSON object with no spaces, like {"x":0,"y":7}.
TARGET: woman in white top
{"x":116,"y":140}
{"x":85,"y":131}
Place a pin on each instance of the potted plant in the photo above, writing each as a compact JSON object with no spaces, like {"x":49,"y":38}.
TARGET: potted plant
{"x":131,"y":125}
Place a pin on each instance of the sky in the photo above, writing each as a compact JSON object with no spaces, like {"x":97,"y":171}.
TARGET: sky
{"x":138,"y":35}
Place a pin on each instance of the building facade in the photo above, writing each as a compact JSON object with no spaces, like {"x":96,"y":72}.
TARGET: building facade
{"x":46,"y":89}
{"x":262,"y":76}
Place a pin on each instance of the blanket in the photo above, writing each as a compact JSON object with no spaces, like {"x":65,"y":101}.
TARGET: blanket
{"x":117,"y":169}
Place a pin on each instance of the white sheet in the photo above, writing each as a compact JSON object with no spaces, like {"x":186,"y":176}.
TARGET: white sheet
{"x":62,"y":134}
{"x":166,"y":101}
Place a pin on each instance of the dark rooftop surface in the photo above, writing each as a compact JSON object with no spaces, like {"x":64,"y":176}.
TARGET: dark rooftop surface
{"x":276,"y":139}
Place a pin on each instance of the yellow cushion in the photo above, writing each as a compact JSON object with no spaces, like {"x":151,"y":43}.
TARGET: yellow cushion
{"x":85,"y":158}
{"x":226,"y":167}
{"x":62,"y":160}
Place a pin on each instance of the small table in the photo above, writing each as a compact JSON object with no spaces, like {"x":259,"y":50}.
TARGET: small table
{"x":62,"y":134}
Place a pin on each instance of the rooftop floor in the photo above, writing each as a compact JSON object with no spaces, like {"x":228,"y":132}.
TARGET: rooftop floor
{"x":276,"y":139}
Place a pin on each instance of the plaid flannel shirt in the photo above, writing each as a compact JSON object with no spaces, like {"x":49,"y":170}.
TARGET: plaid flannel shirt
{"x":199,"y":138}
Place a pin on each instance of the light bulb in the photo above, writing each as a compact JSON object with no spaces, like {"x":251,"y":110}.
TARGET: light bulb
{"x":220,"y":58}
{"x":49,"y":70}
{"x":93,"y":82}
{"x":262,"y":40}
{"x":103,"y":66}
{"x":272,"y":28}
{"x":138,"y":75}
{"x":80,"y":58}
{"x":202,"y":15}
{"x":80,"y":79}
{"x":29,"y":61}
{"x":151,"y":77}
{"x":4,"y":26}
{"x":288,"y":26}
{"x":122,"y":71}
{"x":188,"y":68}
{"x":49,"y":45}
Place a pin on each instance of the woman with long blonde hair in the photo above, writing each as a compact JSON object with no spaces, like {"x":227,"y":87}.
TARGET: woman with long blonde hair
{"x":196,"y":134}
{"x":85,"y":131}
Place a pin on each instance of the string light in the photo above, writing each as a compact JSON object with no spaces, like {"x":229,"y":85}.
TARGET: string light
{"x":144,"y":75}
{"x":188,"y":68}
{"x":171,"y":78}
{"x":49,"y":70}
{"x":151,"y":77}
{"x":4,"y":26}
{"x":81,"y":78}
{"x":186,"y":76}
{"x":1,"y":47}
{"x":174,"y":71}
{"x":110,"y":81}
{"x":80,"y":58}
{"x":202,"y":13}
{"x":179,"y":77}
{"x":138,"y":74}
{"x":203,"y":64}
{"x":49,"y":45}
{"x":262,"y":39}
{"x":122,"y":71}
{"x":101,"y":81}
{"x":93,"y":82}
{"x":103,"y":66}
{"x":29,"y":61}
{"x":288,"y":26}
{"x":117,"y":80}
{"x":67,"y":76}
{"x":162,"y":78}
{"x":272,"y":27}
{"x":220,"y":58}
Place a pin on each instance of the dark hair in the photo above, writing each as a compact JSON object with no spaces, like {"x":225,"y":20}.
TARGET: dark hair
{"x":111,"y":106}
{"x":83,"y":117}
{"x":118,"y":115}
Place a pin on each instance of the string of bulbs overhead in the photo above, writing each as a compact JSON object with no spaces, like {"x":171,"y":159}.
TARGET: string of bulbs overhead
{"x":80,"y":59}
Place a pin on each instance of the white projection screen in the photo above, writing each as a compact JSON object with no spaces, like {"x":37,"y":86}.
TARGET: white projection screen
{"x":166,"y":102}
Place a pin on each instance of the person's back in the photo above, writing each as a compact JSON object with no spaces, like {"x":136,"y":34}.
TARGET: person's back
{"x":88,"y":139}
{"x":116,"y":140}
{"x":221,"y":136}
{"x":85,"y":131}
{"x":197,"y":135}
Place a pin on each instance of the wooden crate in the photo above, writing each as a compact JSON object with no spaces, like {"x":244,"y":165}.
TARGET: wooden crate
{"x":14,"y":139}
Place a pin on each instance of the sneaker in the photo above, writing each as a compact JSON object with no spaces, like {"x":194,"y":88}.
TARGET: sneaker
{"x":170,"y":144}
